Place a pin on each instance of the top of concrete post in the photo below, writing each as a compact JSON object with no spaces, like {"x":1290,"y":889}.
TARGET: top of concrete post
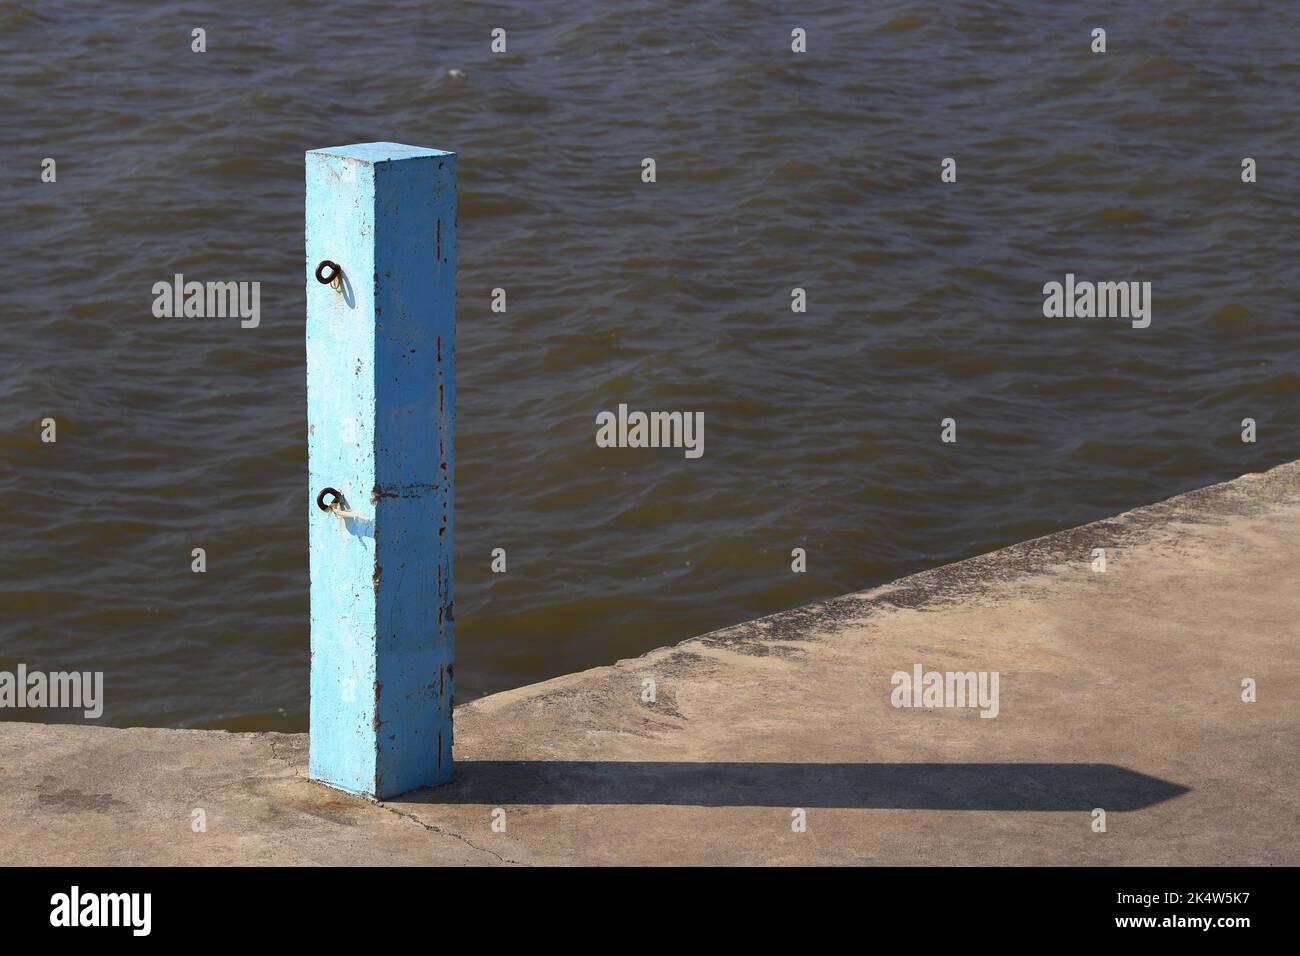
{"x":373,"y":153}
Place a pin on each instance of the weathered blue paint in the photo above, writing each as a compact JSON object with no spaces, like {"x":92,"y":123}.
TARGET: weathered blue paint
{"x":381,"y":401}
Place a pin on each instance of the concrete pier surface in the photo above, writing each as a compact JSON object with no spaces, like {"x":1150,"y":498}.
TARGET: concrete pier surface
{"x":1119,"y":690}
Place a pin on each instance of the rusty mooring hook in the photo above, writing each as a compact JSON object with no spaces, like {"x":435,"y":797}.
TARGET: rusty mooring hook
{"x":336,"y":272}
{"x":320,"y":499}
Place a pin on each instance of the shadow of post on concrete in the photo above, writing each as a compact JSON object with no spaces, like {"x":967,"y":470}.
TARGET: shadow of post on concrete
{"x":1043,"y":787}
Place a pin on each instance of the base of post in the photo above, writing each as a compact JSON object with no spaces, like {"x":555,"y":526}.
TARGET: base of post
{"x":377,"y":793}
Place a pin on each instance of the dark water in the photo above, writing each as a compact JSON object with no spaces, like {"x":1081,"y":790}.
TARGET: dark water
{"x":775,"y":170}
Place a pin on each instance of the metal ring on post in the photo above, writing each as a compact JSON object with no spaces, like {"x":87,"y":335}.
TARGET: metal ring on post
{"x":337,"y":270}
{"x":320,"y":499}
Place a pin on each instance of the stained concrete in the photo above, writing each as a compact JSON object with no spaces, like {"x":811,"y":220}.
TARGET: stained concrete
{"x":1119,"y":690}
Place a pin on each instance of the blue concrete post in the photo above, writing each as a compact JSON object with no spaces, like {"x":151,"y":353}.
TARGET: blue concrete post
{"x":381,"y":400}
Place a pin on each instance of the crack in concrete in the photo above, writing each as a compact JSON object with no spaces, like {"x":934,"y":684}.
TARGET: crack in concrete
{"x":275,"y":754}
{"x":275,"y":744}
{"x":432,"y":828}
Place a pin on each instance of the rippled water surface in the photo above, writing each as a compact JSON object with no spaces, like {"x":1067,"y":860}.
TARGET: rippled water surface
{"x":775,"y":170}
